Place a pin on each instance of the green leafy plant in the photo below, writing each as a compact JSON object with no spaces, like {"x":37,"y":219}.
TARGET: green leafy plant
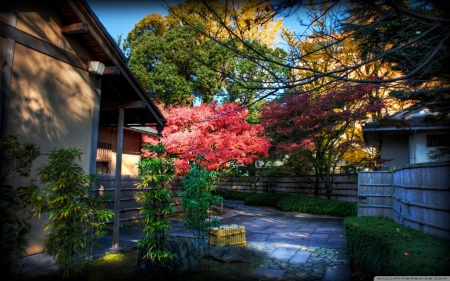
{"x":18,"y":203}
{"x":439,"y":154}
{"x":197,"y":198}
{"x":156,"y":171}
{"x":199,"y":185}
{"x":76,"y":217}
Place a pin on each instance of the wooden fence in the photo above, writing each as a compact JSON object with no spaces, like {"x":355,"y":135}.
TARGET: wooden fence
{"x":129,"y":206}
{"x":417,"y":195}
{"x":344,"y":187}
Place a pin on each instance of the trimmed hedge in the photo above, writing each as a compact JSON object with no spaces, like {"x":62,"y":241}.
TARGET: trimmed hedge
{"x":302,"y":204}
{"x":232,"y":194}
{"x":381,"y":246}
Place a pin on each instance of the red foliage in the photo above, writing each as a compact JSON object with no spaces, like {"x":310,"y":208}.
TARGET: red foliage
{"x":305,"y":121}
{"x":218,"y":132}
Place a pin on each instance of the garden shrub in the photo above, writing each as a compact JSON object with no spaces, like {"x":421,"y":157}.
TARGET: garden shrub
{"x":156,"y":171}
{"x":303,"y":204}
{"x":264,"y":199}
{"x":197,"y":199}
{"x":76,"y":216}
{"x":18,"y":203}
{"x":232,"y":194}
{"x":380,"y":246}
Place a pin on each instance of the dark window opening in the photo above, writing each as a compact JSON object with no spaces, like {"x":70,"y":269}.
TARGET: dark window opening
{"x":438,"y":140}
{"x":102,"y":168}
{"x":103,"y":152}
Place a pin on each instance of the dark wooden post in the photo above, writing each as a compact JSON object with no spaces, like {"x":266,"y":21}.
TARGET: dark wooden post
{"x":118,"y":178}
{"x":7,"y":54}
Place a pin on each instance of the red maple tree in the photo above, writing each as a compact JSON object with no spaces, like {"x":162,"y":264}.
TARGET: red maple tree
{"x":218,"y":133}
{"x":324,"y":126}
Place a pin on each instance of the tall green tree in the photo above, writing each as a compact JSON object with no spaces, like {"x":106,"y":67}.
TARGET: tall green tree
{"x":412,"y":38}
{"x":176,"y":64}
{"x":409,"y":37}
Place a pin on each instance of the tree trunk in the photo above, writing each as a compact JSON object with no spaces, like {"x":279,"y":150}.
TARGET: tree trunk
{"x":327,"y":182}
{"x":317,"y":185}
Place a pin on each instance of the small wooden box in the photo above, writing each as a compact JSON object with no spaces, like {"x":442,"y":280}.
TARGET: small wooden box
{"x":227,"y":235}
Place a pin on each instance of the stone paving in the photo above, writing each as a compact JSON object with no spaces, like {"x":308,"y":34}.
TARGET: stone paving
{"x":296,"y":246}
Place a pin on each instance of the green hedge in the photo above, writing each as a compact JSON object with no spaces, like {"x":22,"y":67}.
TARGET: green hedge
{"x":381,"y":246}
{"x":232,"y":195}
{"x":302,"y":204}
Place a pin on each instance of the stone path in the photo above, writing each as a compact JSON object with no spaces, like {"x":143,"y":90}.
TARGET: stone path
{"x":296,"y":246}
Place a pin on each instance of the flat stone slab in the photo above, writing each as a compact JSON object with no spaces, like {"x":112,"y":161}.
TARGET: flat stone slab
{"x":300,"y":257}
{"x":305,"y":229}
{"x":279,"y":235}
{"x":325,"y":230}
{"x":314,"y":224}
{"x":257,"y":237}
{"x":298,"y":242}
{"x":277,"y":240}
{"x":336,"y":240}
{"x":267,"y":272}
{"x":337,"y":274}
{"x":284,"y":253}
{"x":330,"y":245}
{"x":300,"y":234}
{"x":319,"y":237}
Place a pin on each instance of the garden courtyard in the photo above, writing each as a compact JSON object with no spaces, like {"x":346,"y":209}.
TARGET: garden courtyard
{"x":288,"y":246}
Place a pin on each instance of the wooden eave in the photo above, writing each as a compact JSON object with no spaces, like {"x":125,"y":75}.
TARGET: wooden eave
{"x":120,"y":86}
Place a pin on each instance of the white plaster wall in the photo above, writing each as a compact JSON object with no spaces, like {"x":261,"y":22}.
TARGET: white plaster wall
{"x":394,"y":146}
{"x":421,"y":150}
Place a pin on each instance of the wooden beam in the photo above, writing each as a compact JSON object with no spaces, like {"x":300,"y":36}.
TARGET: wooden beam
{"x":118,"y":179}
{"x":95,"y":123}
{"x":133,"y":104}
{"x":7,"y":53}
{"x":125,"y":105}
{"x":75,"y":28}
{"x":42,"y":46}
{"x":111,"y":70}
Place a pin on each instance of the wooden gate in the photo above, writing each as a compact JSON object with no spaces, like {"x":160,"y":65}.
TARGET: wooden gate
{"x":375,"y":194}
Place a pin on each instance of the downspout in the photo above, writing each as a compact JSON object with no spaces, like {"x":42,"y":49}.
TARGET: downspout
{"x":413,"y":148}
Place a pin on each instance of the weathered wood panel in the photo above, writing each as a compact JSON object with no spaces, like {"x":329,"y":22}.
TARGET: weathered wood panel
{"x":421,"y":198}
{"x":129,"y":206}
{"x":375,"y":194}
{"x":344,"y":186}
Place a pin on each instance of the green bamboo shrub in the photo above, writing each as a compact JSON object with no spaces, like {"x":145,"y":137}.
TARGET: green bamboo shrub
{"x":18,"y":203}
{"x":156,"y":171}
{"x":76,"y":216}
{"x":198,"y":187}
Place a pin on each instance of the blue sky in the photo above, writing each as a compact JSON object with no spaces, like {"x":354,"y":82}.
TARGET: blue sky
{"x":120,"y":16}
